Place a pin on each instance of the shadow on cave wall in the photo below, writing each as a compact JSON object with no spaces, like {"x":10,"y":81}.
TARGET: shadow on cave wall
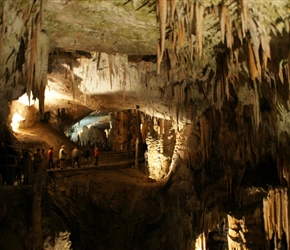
{"x":264,"y":175}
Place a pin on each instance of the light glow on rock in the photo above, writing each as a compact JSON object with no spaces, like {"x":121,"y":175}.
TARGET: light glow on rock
{"x":26,"y":100}
{"x":17,"y":118}
{"x":200,"y":243}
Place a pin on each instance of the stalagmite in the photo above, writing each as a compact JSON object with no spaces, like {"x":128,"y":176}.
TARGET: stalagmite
{"x":285,"y":214}
{"x":200,"y":242}
{"x":236,"y":233}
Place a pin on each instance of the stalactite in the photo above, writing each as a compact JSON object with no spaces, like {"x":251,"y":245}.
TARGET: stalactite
{"x":226,"y":70}
{"x":239,"y":31}
{"x":111,"y":69}
{"x":257,"y":113}
{"x":181,"y":32}
{"x":251,"y":62}
{"x":265,"y":44}
{"x":199,"y":10}
{"x":204,"y":136}
{"x":280,"y":73}
{"x":229,"y":34}
{"x":3,"y":21}
{"x":124,"y":82}
{"x":172,"y":10}
{"x":223,"y":21}
{"x":71,"y":67}
{"x":31,"y":66}
{"x":162,"y":6}
{"x":244,"y":8}
{"x":99,"y":60}
{"x":255,"y":38}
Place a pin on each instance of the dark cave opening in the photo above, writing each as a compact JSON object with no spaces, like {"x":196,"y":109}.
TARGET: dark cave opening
{"x":264,"y":175}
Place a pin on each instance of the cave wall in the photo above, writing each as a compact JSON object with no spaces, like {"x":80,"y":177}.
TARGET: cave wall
{"x":23,"y":52}
{"x":15,"y":215}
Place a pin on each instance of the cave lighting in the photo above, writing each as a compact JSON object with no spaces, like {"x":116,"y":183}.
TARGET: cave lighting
{"x":107,"y":132}
{"x":16,"y":119}
{"x":26,"y":100}
{"x":200,"y":242}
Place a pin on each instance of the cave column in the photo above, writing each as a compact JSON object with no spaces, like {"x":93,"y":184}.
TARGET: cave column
{"x":125,"y":130}
{"x":160,"y":143}
{"x":39,"y":191}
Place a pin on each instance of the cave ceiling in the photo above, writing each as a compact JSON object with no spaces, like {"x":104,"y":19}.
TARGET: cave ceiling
{"x":201,"y":42}
{"x":102,"y":26}
{"x":217,"y":71}
{"x":154,"y":55}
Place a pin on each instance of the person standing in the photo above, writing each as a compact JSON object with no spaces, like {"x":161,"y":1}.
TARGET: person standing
{"x":61,"y":157}
{"x":75,"y":157}
{"x":96,"y":154}
{"x":50,"y":158}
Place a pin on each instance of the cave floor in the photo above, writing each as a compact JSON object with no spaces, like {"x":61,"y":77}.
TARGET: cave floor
{"x":42,"y":135}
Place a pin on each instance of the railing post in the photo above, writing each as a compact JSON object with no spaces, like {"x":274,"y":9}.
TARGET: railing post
{"x":136,"y":153}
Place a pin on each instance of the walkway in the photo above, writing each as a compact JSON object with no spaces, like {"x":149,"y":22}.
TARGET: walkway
{"x":108,"y":160}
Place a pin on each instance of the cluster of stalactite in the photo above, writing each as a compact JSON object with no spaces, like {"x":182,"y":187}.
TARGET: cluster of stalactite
{"x":276,"y":216}
{"x":23,"y":50}
{"x":194,"y":27}
{"x":85,"y":76}
{"x":91,"y":135}
{"x":238,"y":47}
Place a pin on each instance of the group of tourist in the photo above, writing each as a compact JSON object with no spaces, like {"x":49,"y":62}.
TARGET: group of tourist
{"x":76,"y":156}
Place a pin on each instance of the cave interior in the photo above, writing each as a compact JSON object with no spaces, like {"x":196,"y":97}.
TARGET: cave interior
{"x":188,"y":103}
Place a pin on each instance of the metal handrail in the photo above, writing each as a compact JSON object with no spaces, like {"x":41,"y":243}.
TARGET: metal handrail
{"x":113,"y":157}
{"x":16,"y":172}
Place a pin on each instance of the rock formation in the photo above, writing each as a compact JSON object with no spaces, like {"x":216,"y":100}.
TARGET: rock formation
{"x":203,"y":86}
